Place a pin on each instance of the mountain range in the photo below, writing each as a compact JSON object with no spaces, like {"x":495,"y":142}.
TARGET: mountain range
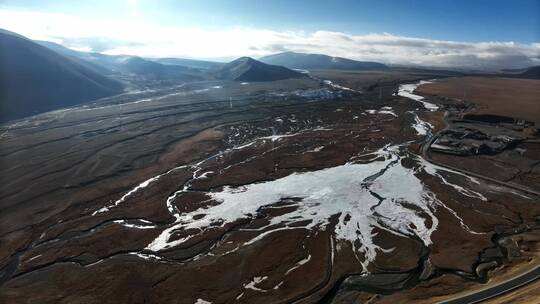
{"x":320,"y":62}
{"x":39,"y":76}
{"x":125,"y":64}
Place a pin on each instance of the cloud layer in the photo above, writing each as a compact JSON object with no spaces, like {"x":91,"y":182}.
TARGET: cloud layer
{"x":151,"y":40}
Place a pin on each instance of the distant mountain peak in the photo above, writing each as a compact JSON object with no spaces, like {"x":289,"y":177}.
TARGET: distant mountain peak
{"x":249,"y":69}
{"x":245,"y":60}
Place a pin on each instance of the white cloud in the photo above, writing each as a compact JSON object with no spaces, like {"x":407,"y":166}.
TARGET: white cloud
{"x":139,"y":38}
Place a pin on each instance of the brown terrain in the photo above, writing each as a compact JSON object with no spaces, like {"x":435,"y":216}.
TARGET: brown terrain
{"x":516,"y":98}
{"x":493,"y":127}
{"x":293,"y":191}
{"x":447,"y":286}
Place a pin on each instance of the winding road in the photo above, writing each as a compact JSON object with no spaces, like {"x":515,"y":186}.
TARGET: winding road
{"x":426,"y":155}
{"x":497,"y":290}
{"x":509,"y":285}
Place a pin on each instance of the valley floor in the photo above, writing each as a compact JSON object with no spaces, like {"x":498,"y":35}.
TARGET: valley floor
{"x":297,"y":191}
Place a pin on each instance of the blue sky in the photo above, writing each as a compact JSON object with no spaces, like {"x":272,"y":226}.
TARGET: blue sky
{"x":474,"y":33}
{"x":461,"y":20}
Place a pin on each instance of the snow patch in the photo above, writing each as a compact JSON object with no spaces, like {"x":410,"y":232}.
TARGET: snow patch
{"x":422,"y":128}
{"x":300,"y":263}
{"x":336,"y":86}
{"x":345,"y":190}
{"x":383,"y":110}
{"x":255,"y":281}
{"x":406,"y":90}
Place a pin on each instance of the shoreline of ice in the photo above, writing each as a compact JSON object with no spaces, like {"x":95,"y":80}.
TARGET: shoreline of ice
{"x":407,"y":91}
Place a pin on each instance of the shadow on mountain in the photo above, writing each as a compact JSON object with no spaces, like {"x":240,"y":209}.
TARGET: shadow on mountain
{"x":35,"y":79}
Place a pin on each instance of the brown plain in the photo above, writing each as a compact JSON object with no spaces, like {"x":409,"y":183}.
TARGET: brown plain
{"x":518,"y":98}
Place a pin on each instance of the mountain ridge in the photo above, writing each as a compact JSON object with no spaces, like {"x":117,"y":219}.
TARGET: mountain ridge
{"x":249,"y":69}
{"x":127,"y":64}
{"x":319,"y":61}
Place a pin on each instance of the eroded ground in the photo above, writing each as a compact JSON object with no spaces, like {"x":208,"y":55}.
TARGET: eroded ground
{"x":301,"y":191}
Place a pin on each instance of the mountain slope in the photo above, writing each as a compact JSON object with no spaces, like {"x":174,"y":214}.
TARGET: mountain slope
{"x":35,"y":79}
{"x":249,"y":69}
{"x":126,"y":64}
{"x":191,"y":63}
{"x":318,"y":61}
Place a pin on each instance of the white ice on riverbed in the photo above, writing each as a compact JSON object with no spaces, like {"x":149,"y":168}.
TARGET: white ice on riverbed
{"x":35,"y":257}
{"x":316,"y":149}
{"x":298,"y":264}
{"x":142,"y":185}
{"x":436,"y":171}
{"x":406,"y":90}
{"x":142,"y":224}
{"x":422,"y":128}
{"x":324,"y":193}
{"x":336,"y":86}
{"x":255,"y":281}
{"x":147,"y":256}
{"x":383,"y":110}
{"x":364,"y":196}
{"x":131,"y":192}
{"x":153,"y":179}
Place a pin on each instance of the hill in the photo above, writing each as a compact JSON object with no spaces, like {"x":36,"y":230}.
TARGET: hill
{"x":319,"y":62}
{"x":249,"y":69}
{"x":35,"y":79}
{"x":191,"y":63}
